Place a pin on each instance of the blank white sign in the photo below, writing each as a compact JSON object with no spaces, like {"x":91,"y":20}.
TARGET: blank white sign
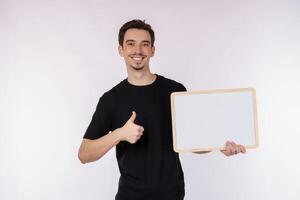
{"x":205,"y":120}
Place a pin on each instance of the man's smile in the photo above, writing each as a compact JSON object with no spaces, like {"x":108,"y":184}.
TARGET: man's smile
{"x":137,"y":58}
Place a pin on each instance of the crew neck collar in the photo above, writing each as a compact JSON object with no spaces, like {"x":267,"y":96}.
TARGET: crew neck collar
{"x":143,"y":86}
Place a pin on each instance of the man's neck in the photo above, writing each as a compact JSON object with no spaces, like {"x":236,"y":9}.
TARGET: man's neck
{"x":141,"y":78}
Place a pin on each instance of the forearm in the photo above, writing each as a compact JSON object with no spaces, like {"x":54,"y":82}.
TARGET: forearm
{"x":92,"y":150}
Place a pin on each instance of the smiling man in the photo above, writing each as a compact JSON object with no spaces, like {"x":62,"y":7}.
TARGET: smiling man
{"x":135,"y":116}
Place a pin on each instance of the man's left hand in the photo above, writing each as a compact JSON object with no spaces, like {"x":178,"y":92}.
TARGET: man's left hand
{"x":232,"y":148}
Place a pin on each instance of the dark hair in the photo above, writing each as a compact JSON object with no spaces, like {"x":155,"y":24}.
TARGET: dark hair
{"x":138,"y":24}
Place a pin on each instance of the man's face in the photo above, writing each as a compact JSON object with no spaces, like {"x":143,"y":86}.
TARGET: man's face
{"x":137,"y":49}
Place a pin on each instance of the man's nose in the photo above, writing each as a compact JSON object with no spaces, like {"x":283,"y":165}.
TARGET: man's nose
{"x":138,"y":49}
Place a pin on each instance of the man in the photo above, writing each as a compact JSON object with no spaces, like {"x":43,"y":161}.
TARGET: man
{"x":135,"y":117}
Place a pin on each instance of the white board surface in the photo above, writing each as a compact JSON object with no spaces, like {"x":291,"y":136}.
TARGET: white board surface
{"x":204,"y":120}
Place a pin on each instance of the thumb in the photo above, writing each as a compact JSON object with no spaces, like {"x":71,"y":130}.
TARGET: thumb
{"x":133,"y":116}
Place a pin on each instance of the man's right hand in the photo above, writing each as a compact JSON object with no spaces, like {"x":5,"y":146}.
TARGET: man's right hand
{"x":131,"y":132}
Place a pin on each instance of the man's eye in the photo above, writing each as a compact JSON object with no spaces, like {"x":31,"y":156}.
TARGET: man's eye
{"x":130,"y":44}
{"x":146,"y":45}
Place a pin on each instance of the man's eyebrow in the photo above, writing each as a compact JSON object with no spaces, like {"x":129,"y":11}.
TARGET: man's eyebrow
{"x":129,"y":41}
{"x":144,"y":41}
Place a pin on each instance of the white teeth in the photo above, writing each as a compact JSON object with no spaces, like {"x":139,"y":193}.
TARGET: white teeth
{"x":137,"y":58}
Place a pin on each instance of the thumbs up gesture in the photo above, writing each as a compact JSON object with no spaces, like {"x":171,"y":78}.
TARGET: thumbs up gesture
{"x":131,"y":132}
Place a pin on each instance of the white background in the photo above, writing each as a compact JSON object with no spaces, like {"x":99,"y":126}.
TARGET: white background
{"x":58,"y":57}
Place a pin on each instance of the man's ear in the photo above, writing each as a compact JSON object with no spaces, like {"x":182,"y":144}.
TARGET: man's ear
{"x":120,"y":49}
{"x":153,"y":50}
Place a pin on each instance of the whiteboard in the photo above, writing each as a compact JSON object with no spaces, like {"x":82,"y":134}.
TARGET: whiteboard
{"x":204,"y":120}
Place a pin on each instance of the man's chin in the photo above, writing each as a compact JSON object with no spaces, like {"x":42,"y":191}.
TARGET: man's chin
{"x":137,"y":68}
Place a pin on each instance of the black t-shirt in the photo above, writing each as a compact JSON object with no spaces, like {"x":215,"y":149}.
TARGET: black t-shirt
{"x":150,"y":169}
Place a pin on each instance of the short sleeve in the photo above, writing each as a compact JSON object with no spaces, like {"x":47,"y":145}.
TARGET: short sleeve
{"x":100,"y":124}
{"x":181,"y":88}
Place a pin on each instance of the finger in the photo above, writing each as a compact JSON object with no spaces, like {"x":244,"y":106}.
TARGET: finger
{"x":139,"y":128}
{"x":243,"y":149}
{"x":139,"y":136}
{"x":233,"y":143}
{"x":235,"y":148}
{"x":140,"y":133}
{"x":132,"y":117}
{"x":229,"y":148}
{"x":227,"y":143}
{"x":132,"y":141}
{"x":239,"y":148}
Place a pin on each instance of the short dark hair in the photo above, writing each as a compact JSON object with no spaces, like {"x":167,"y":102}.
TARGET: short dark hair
{"x":138,"y":24}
